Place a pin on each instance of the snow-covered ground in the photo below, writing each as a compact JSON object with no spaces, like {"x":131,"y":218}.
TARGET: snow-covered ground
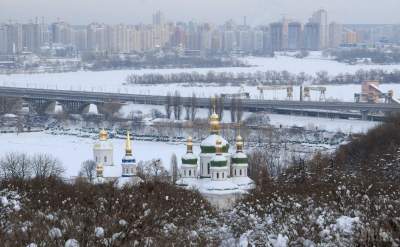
{"x":72,"y":151}
{"x":112,"y":81}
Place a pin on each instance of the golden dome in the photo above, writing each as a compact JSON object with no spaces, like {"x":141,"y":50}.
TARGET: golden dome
{"x":189,"y":144}
{"x":214,"y":123}
{"x":239,"y":143}
{"x":128,"y":145}
{"x":103,"y":135}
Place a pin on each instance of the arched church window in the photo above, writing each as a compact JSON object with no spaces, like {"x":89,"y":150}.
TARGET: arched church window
{"x":217,"y":175}
{"x":240,"y":172}
{"x":105,"y":158}
{"x":190,"y":173}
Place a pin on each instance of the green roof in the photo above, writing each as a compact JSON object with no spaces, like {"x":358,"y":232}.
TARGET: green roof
{"x":218,"y":163}
{"x":239,"y":160}
{"x":212,"y":149}
{"x":189,"y":161}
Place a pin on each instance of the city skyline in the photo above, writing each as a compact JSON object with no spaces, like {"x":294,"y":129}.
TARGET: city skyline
{"x":258,"y":12}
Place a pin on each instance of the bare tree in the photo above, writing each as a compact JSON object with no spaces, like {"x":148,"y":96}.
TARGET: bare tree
{"x":15,"y":165}
{"x":110,"y":110}
{"x":187,"y":111}
{"x":193,"y":104}
{"x":168,"y":105}
{"x":10,"y":104}
{"x":233,"y":109}
{"x":177,"y":104}
{"x":88,"y":170}
{"x":239,"y":110}
{"x":20,"y":124}
{"x":211,"y":106}
{"x":220,"y":107}
{"x":44,"y":165}
{"x":152,"y":170}
{"x":174,"y":168}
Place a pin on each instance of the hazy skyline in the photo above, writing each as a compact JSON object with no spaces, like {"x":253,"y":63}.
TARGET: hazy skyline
{"x":217,"y":11}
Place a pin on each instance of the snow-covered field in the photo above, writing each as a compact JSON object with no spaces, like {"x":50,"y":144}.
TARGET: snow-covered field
{"x":112,"y":81}
{"x":72,"y":151}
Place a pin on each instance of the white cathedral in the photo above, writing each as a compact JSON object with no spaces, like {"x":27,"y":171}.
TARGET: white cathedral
{"x":217,"y":174}
{"x":106,"y":171}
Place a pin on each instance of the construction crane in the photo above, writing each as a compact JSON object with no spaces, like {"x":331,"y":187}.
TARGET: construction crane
{"x":289,"y":90}
{"x":321,"y":90}
{"x":371,"y":93}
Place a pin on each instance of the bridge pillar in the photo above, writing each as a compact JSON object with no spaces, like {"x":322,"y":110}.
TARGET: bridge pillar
{"x":72,"y":107}
{"x":38,"y":105}
{"x":364,"y":115}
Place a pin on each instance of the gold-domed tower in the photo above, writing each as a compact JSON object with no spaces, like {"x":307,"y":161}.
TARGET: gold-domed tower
{"x":103,"y":150}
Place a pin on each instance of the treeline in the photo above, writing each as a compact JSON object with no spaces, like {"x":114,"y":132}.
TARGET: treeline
{"x":264,"y":78}
{"x":269,"y":77}
{"x":102,"y":62}
{"x":22,"y":166}
{"x":376,"y":56}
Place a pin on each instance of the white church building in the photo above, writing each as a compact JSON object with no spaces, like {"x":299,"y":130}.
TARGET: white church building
{"x":217,"y":174}
{"x":106,"y":170}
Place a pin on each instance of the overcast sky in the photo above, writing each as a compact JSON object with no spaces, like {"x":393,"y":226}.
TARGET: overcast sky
{"x":217,"y":11}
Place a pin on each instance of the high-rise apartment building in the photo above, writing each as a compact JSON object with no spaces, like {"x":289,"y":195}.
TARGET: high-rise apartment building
{"x":312,"y":36}
{"x":295,"y":34}
{"x":14,"y":38}
{"x":3,"y":39}
{"x":350,"y":37}
{"x":321,"y":17}
{"x":335,"y":34}
{"x":61,"y":33}
{"x":276,"y":36}
{"x":158,"y":18}
{"x":33,"y":36}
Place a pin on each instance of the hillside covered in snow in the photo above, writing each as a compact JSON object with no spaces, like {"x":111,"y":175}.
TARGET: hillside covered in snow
{"x":350,"y":197}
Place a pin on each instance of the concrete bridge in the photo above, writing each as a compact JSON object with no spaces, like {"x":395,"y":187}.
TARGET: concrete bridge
{"x":75,"y":101}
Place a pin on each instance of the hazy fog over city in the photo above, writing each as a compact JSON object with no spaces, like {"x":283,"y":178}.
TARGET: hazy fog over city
{"x":257,"y":11}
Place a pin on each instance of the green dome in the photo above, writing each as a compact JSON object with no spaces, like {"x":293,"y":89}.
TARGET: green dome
{"x":219,"y":161}
{"x":239,"y":158}
{"x":189,"y":159}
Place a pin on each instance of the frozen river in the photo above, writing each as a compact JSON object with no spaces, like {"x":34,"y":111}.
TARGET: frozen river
{"x":112,"y":81}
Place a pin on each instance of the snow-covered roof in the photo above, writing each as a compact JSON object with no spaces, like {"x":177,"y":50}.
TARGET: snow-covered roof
{"x":211,"y":141}
{"x":218,"y":158}
{"x":189,"y":156}
{"x":239,"y":156}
